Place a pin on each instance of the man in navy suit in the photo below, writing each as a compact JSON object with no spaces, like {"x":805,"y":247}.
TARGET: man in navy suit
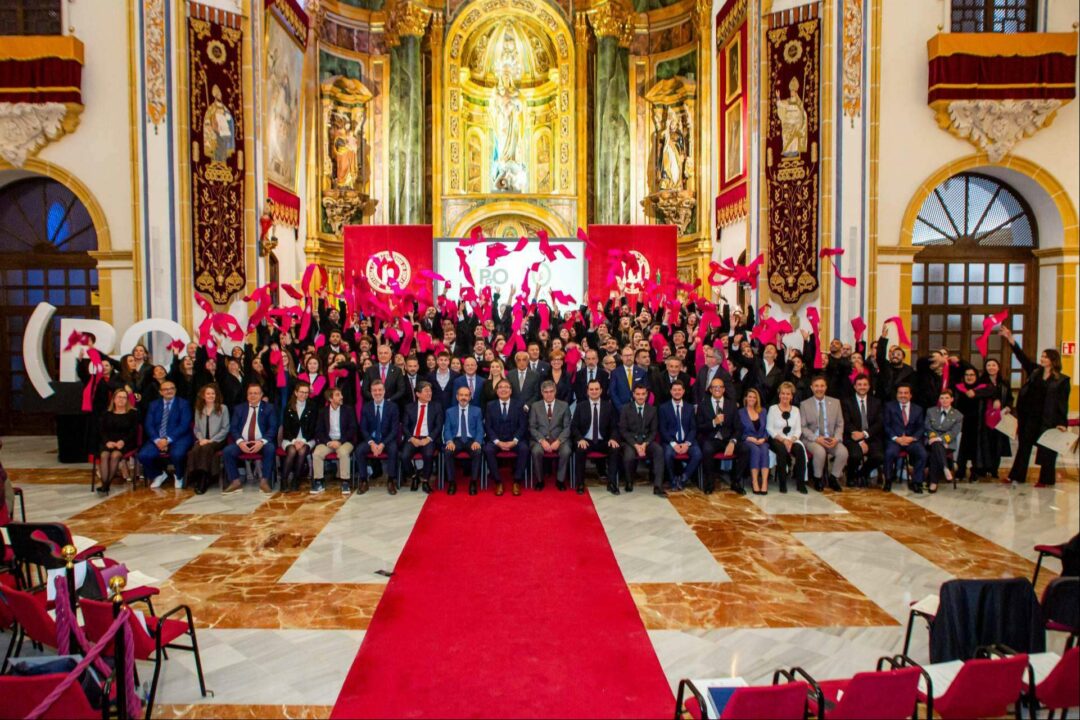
{"x":463,"y":431}
{"x":716,"y":418}
{"x":442,"y":381}
{"x":423,"y":433}
{"x":505,"y":429}
{"x":591,"y":371}
{"x":624,"y":378}
{"x":593,"y":429}
{"x":469,"y":379}
{"x":253,"y":427}
{"x":335,"y":432}
{"x":537,"y":364}
{"x":379,"y":435}
{"x":168,"y":430}
{"x":678,"y":433}
{"x":904,"y":431}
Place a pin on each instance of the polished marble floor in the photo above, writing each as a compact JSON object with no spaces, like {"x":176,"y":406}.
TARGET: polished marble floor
{"x":283,"y":587}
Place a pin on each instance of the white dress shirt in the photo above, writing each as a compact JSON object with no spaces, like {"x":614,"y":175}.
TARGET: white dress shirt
{"x":247,"y":423}
{"x":335,"y":422}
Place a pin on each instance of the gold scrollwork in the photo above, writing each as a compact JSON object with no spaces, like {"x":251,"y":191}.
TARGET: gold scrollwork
{"x":406,"y":20}
{"x":613,"y":19}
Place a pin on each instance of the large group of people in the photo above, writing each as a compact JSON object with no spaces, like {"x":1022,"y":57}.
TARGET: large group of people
{"x":622,"y":385}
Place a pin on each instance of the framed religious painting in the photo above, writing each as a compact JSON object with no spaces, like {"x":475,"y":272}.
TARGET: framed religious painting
{"x":733,"y":141}
{"x":284,"y":108}
{"x":733,"y":68}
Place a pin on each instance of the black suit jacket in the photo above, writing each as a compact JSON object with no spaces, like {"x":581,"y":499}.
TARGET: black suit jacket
{"x":435,"y":416}
{"x":701,"y":383}
{"x":349,"y":428}
{"x":409,"y":396}
{"x":582,"y":420}
{"x":634,"y":429}
{"x":395,"y":383}
{"x":515,"y":426}
{"x":530,"y":391}
{"x":443,"y":397}
{"x":292,"y":424}
{"x":662,"y":388}
{"x":581,"y":383}
{"x":874,"y":419}
{"x":728,"y":430}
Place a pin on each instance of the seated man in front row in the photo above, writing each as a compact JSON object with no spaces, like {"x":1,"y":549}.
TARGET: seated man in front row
{"x":594,"y":429}
{"x":379,"y":436}
{"x":463,"y":431}
{"x":505,"y":427}
{"x":637,"y":435}
{"x":168,"y":430}
{"x":423,"y":433}
{"x":253,"y":427}
{"x":335,"y":432}
{"x":549,"y":428}
{"x":904,"y":428}
{"x":679,"y":435}
{"x":717,"y":433}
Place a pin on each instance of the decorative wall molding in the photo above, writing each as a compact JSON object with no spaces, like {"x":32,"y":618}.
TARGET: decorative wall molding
{"x":25,"y":128}
{"x":996,"y":126}
{"x":157,"y":102}
{"x":853,"y":57}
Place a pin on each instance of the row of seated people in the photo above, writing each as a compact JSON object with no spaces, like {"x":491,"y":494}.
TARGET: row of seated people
{"x":674,"y":437}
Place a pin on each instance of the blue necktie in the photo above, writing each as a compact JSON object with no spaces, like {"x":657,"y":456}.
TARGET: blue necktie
{"x":678,"y":416}
{"x":165,"y":418}
{"x":463,"y":425}
{"x":822,"y":419}
{"x":378,"y":420}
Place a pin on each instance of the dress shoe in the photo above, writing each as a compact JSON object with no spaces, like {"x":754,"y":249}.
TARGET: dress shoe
{"x":915,"y":488}
{"x":834,"y":484}
{"x":234,"y":487}
{"x":710,"y":488}
{"x":451,"y":488}
{"x":818,"y":485}
{"x":1038,"y":485}
{"x":363,"y":487}
{"x":560,"y":485}
{"x":515,"y":489}
{"x":539,"y":485}
{"x":581,"y":489}
{"x":887,"y":487}
{"x":851,"y":482}
{"x":659,"y":492}
{"x":932,"y":489}
{"x":415,"y":483}
{"x":391,"y":487}
{"x":498,"y":489}
{"x":613,"y":488}
{"x":264,"y":487}
{"x":738,"y":489}
{"x":472,"y":487}
{"x":801,"y":488}
{"x":783,"y":488}
{"x":629,"y":487}
{"x":426,"y":487}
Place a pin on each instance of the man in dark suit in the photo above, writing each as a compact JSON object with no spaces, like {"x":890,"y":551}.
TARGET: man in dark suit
{"x":593,"y":430}
{"x":379,"y":435}
{"x":765,"y":373}
{"x":333,"y":346}
{"x":385,"y":372}
{"x":168,"y":429}
{"x":637,"y":435}
{"x":253,"y":427}
{"x":678,"y":432}
{"x":442,"y":381}
{"x":672,"y":373}
{"x":335,"y":432}
{"x":626,"y":377}
{"x":411,"y":379}
{"x":717,"y":418}
{"x":463,"y":431}
{"x":863,"y":432}
{"x":712,"y":369}
{"x":423,"y":433}
{"x":506,"y":429}
{"x":904,"y":431}
{"x":536,"y":363}
{"x":470,"y":379}
{"x":587,"y":374}
{"x":524,"y":381}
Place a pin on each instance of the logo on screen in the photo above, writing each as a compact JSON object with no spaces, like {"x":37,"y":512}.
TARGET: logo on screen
{"x":633,"y":280}
{"x":386,"y":266}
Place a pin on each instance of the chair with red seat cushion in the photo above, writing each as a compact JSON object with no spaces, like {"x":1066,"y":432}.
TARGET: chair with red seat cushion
{"x":1061,"y":607}
{"x":40,"y":544}
{"x":20,"y":695}
{"x":775,"y":702}
{"x":149,"y":642}
{"x":885,"y":694}
{"x":1056,"y":681}
{"x":979,"y":688}
{"x":32,"y":619}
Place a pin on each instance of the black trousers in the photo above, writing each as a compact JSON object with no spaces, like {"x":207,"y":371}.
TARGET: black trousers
{"x":1045,"y":459}
{"x":475,"y":458}
{"x":595,"y":446}
{"x":789,"y":463}
{"x":936,"y":460}
{"x":426,"y":452}
{"x":710,"y":447}
{"x":861,"y":464}
{"x":653,"y":452}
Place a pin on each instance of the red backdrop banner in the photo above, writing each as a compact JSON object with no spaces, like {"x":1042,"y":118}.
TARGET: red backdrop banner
{"x":380,"y":253}
{"x":654,"y":246}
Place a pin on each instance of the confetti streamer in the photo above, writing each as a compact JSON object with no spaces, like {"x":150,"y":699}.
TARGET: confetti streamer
{"x":814,"y":318}
{"x":901,"y":331}
{"x":830,"y":253}
{"x":858,"y":326}
{"x":989,"y":323}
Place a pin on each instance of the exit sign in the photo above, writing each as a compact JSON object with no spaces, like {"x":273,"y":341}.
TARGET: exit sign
{"x":1068,"y":348}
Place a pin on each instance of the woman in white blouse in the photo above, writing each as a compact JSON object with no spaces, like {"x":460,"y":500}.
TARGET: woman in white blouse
{"x":784,"y":425}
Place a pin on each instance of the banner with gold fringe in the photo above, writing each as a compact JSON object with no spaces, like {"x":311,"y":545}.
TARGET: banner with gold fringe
{"x":217,"y":151}
{"x":792,"y":141}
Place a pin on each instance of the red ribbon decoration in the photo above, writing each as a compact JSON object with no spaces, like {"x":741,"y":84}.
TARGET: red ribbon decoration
{"x":831,"y":253}
{"x":728,"y":271}
{"x":858,"y":326}
{"x":814,"y":318}
{"x":989,"y":323}
{"x":563,"y":298}
{"x":177,"y":346}
{"x":464,"y":265}
{"x":549,"y":250}
{"x":545,"y":316}
{"x":658,"y":342}
{"x":901,"y":332}
{"x":495,"y":251}
{"x":521,"y":243}
{"x":768,"y":328}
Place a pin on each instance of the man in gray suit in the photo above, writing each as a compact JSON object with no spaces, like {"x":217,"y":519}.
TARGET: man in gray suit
{"x":823,"y":433}
{"x":524,"y":381}
{"x":549,"y":429}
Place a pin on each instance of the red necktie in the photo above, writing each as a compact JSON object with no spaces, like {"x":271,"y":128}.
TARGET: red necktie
{"x":251,"y":424}
{"x":903,"y":411}
{"x":382,"y":371}
{"x":420,"y":420}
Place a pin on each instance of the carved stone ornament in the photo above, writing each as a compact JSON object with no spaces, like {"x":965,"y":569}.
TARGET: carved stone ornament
{"x":673,"y":206}
{"x":342,"y":207}
{"x":406,"y":20}
{"x":995,"y":126}
{"x":25,"y":128}
{"x":612,"y":19}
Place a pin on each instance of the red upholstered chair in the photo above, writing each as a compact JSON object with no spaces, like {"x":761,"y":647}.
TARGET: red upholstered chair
{"x":32,"y":621}
{"x":149,"y":642}
{"x":1054,"y":551}
{"x":979,"y":688}
{"x":508,"y":455}
{"x":1053,"y":682}
{"x":787,"y":701}
{"x":1061,"y":607}
{"x":459,"y":455}
{"x":885,"y":695}
{"x":20,"y":695}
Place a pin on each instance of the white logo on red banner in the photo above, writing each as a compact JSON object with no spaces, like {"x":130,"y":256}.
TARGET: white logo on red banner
{"x":632,"y":281}
{"x":387,"y":265}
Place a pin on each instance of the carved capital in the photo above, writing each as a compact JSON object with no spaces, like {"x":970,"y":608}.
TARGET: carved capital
{"x":613,"y":19}
{"x":25,"y":128}
{"x":996,"y":126}
{"x":406,"y":20}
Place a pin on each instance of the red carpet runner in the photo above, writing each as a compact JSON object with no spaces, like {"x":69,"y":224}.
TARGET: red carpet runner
{"x":506,"y":607}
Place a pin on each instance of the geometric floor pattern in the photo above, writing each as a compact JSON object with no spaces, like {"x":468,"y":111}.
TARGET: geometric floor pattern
{"x":283,"y":587}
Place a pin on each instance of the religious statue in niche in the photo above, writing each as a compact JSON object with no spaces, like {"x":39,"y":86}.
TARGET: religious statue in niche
{"x":674,"y":175}
{"x":344,"y":172}
{"x":673,"y":147}
{"x":219,"y":129}
{"x":344,"y":151}
{"x":793,"y":121}
{"x":508,"y":173}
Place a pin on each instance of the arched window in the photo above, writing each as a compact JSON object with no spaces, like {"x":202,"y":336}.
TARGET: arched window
{"x":977,"y":235}
{"x":45,"y":235}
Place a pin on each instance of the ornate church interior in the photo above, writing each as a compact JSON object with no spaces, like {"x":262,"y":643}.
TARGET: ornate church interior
{"x":539,"y":358}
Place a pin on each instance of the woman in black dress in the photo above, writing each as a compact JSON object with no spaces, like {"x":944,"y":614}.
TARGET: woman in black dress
{"x":119,"y":436}
{"x":559,"y":375}
{"x":297,"y":433}
{"x":994,"y":396}
{"x":1042,"y":404}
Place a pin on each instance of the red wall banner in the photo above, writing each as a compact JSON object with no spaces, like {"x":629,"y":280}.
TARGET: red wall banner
{"x":380,"y":253}
{"x":654,"y":246}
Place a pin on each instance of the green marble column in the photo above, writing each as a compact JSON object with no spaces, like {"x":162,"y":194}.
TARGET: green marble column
{"x":405,"y":134}
{"x":611,"y":133}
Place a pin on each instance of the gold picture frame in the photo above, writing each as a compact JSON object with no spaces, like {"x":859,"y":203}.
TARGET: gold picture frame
{"x":733,"y":68}
{"x":733,"y":142}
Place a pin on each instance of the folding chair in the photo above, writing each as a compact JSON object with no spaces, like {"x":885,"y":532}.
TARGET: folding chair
{"x":884,"y":694}
{"x":733,"y":699}
{"x":1053,"y":681}
{"x":1061,"y":607}
{"x":19,"y":695}
{"x":979,"y":688}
